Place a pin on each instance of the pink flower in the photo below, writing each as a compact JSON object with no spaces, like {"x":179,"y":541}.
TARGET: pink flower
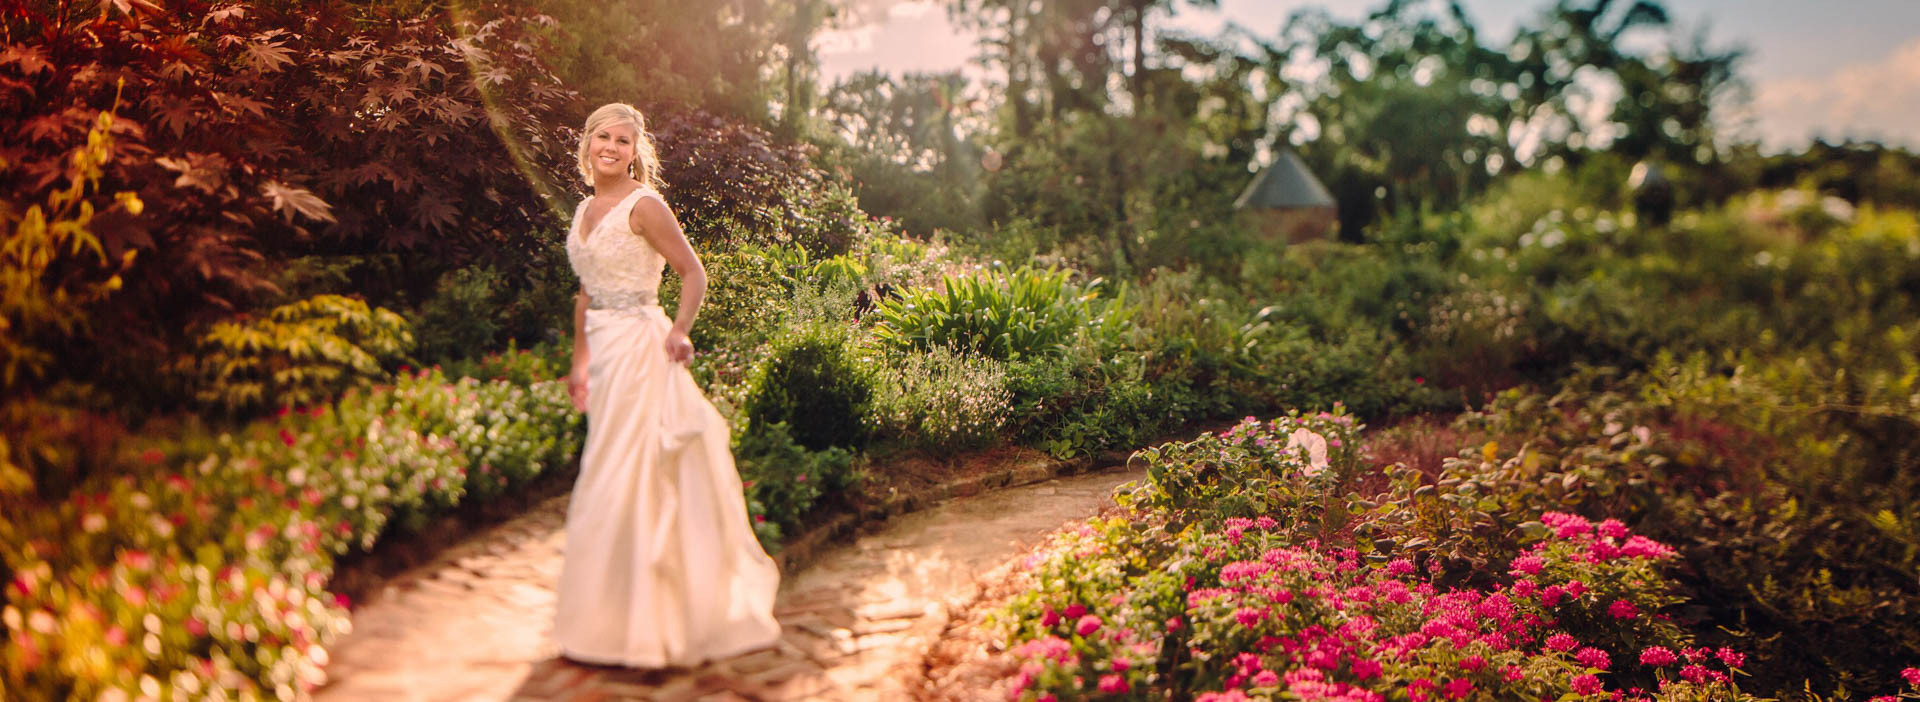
{"x":1075,"y":610}
{"x":1087,"y":625}
{"x":1228,"y":696}
{"x":1911,"y":675}
{"x":1566,"y":526}
{"x":1113,"y":684}
{"x":1513,"y":673}
{"x":1562,"y":642}
{"x":1593,"y":658}
{"x":1622,"y":609}
{"x":1552,"y":595}
{"x":1735,"y":659}
{"x":1585,"y":684}
{"x":1399,"y":567}
{"x":1473,"y":664}
{"x":1266,"y":678}
{"x":1657,"y":656}
{"x":1048,"y":617}
{"x":1248,"y":616}
{"x":1459,"y":688}
{"x":1694,"y":674}
{"x":1121,"y":665}
{"x":1366,"y":668}
{"x":1528,"y":565}
{"x":1613,"y":529}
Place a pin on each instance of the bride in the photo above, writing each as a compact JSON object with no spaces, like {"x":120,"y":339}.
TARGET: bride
{"x":662,"y":567}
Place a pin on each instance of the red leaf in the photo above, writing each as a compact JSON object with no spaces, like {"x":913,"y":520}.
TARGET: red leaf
{"x":431,"y":211}
{"x":32,"y":59}
{"x":289,"y":200}
{"x":268,"y":58}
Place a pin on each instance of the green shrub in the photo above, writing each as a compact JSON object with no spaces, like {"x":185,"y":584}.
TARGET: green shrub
{"x":1085,"y":401}
{"x":462,"y":317}
{"x":299,"y":354}
{"x":940,"y":400}
{"x":1002,"y":314}
{"x":783,"y":479}
{"x":545,"y":361}
{"x":743,"y":286}
{"x":814,"y":382}
{"x":1276,"y":468}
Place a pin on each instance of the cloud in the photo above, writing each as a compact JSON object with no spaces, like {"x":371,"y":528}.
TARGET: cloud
{"x":1869,"y":100}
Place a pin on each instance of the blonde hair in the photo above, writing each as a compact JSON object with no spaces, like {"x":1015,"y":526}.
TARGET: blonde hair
{"x":646,"y":161}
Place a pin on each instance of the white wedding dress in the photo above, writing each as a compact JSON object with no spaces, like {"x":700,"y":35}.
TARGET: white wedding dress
{"x":662,"y":567}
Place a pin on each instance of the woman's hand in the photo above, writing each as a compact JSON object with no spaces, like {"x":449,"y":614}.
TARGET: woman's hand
{"x":577,"y":386}
{"x":679,"y":347}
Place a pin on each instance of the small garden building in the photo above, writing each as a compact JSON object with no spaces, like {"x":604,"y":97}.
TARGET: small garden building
{"x":1286,"y":202}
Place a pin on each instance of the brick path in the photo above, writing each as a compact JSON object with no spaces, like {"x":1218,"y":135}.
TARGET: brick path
{"x":475,"y":624}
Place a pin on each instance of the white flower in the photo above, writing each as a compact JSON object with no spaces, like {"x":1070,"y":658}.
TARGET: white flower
{"x":1315,"y":447}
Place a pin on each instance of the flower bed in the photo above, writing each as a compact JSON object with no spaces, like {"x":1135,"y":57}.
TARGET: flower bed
{"x":201,"y":571}
{"x":1224,"y":582}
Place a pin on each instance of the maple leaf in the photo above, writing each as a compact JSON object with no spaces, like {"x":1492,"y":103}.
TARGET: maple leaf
{"x":289,"y":200}
{"x":224,"y":14}
{"x":268,"y":58}
{"x":242,"y":103}
{"x":425,"y":67}
{"x":31,"y":59}
{"x":44,"y":127}
{"x":431,"y":210}
{"x":206,"y":172}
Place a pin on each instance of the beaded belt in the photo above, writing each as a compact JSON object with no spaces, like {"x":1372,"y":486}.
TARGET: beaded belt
{"x":622,"y":300}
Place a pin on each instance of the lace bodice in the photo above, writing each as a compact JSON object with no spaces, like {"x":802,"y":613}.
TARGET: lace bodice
{"x":616,"y":266}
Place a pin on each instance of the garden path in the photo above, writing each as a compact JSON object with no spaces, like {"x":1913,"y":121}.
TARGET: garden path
{"x":476,"y":624}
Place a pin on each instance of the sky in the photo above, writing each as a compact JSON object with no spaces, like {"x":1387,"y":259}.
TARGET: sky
{"x":1832,"y":68}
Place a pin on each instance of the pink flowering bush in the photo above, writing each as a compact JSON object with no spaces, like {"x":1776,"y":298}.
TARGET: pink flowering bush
{"x":1121,"y":613}
{"x":200,"y":570}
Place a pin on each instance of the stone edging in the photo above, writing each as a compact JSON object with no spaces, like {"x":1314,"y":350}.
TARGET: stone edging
{"x":800,"y":552}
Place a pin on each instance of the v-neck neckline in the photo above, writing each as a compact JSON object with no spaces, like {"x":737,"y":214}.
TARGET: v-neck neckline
{"x":587,"y":233}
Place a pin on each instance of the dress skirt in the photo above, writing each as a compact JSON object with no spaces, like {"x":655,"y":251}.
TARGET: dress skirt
{"x":662,"y":567}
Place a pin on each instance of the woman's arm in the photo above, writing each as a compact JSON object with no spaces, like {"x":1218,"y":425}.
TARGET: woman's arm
{"x":577,"y":377}
{"x":654,"y":221}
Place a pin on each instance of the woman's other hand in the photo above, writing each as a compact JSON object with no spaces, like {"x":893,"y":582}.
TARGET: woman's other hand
{"x":577,"y":387}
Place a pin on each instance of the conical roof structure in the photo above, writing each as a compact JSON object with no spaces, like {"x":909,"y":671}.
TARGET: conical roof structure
{"x":1285,"y":185}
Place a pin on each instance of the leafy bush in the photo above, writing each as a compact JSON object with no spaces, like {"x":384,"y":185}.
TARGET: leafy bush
{"x":1253,"y":469}
{"x":734,"y":184}
{"x":813,"y":381}
{"x":461,"y":318}
{"x":1084,"y":401}
{"x":940,"y":400}
{"x":52,"y":266}
{"x":286,"y":157}
{"x":299,"y":354}
{"x":784,"y":480}
{"x":1002,"y":314}
{"x":1790,"y":532}
{"x":198,"y":563}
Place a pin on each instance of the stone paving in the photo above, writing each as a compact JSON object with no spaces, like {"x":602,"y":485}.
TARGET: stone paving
{"x":476,"y":624}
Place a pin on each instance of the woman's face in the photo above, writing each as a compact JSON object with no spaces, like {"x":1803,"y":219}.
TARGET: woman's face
{"x":611,"y":149}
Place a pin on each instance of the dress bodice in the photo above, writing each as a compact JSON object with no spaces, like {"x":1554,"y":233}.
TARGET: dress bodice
{"x":616,"y":266}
